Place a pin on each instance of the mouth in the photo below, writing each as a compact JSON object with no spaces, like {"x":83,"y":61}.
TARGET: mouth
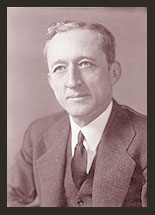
{"x":78,"y":96}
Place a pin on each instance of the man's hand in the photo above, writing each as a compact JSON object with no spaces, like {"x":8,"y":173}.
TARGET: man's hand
{"x":35,"y":203}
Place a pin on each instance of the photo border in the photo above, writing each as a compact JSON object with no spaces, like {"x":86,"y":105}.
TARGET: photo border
{"x":3,"y":78}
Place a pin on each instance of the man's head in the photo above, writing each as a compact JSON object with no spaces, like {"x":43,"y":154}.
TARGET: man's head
{"x":82,"y":67}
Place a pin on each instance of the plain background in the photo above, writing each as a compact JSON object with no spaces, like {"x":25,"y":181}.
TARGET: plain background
{"x":28,"y":94}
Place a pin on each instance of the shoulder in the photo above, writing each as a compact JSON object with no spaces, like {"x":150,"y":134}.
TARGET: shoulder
{"x":34,"y":136}
{"x":39,"y":126}
{"x":138,"y":120}
{"x":127,"y":118}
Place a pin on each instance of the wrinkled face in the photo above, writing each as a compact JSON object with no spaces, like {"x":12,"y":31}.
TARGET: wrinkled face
{"x":79,"y":74}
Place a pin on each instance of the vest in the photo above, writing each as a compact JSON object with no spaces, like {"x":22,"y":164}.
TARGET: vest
{"x":75,"y":197}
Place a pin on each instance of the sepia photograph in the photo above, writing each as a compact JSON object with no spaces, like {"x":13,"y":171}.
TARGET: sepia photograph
{"x":76,"y":106}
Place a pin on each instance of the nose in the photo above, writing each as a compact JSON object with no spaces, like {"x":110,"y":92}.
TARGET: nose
{"x":73,"y":78}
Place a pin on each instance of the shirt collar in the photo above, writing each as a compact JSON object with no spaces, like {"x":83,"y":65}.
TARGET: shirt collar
{"x":92,"y":131}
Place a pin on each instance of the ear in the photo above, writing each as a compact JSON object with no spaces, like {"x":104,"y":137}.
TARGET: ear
{"x":115,"y":72}
{"x":49,"y":80}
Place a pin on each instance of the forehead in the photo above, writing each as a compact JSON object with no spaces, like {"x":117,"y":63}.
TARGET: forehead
{"x":73,"y":41}
{"x":77,"y":34}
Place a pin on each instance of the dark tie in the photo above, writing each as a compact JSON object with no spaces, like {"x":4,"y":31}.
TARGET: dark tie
{"x":79,"y":162}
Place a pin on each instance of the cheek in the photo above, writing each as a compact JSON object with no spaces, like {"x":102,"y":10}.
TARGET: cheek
{"x":58,"y":91}
{"x":55,"y":84}
{"x":99,"y":85}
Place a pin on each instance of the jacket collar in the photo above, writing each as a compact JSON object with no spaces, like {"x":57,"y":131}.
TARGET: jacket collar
{"x":114,"y":167}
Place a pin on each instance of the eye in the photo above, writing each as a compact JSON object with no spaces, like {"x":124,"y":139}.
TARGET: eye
{"x":85,"y":64}
{"x":60,"y":68}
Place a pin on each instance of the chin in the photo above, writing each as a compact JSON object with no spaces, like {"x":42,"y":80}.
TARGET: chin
{"x":79,"y":112}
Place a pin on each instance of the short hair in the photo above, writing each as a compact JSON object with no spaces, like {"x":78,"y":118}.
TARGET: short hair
{"x":107,"y":39}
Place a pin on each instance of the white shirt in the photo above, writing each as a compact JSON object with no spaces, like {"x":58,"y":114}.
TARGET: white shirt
{"x":92,"y":133}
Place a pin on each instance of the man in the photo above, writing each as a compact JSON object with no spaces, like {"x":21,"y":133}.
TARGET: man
{"x":94,"y":153}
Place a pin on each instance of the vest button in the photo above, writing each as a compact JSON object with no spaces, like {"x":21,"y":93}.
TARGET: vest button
{"x":80,"y":202}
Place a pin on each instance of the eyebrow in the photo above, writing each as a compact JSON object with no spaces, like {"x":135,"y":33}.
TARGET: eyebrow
{"x":84,"y":57}
{"x":58,"y":62}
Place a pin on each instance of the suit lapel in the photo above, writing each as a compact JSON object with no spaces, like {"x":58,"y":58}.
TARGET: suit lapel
{"x":114,"y":167}
{"x":51,"y":165}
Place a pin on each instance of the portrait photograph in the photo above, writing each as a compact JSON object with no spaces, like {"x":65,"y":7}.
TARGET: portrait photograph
{"x":76,"y":106}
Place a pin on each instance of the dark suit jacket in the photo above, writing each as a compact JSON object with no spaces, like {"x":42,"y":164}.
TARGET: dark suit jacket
{"x":120,"y":171}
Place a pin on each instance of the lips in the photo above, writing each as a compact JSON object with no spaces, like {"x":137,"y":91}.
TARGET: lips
{"x":77,"y":96}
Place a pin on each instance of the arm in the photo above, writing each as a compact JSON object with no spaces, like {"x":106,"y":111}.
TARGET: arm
{"x":21,"y":190}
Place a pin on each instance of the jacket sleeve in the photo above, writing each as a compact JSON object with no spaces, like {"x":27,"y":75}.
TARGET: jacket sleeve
{"x":144,"y":190}
{"x":21,"y":190}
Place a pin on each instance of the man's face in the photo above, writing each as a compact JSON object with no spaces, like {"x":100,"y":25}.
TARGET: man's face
{"x":79,"y":74}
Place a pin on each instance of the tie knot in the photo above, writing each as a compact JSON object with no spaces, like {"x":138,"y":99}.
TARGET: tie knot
{"x":80,"y":137}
